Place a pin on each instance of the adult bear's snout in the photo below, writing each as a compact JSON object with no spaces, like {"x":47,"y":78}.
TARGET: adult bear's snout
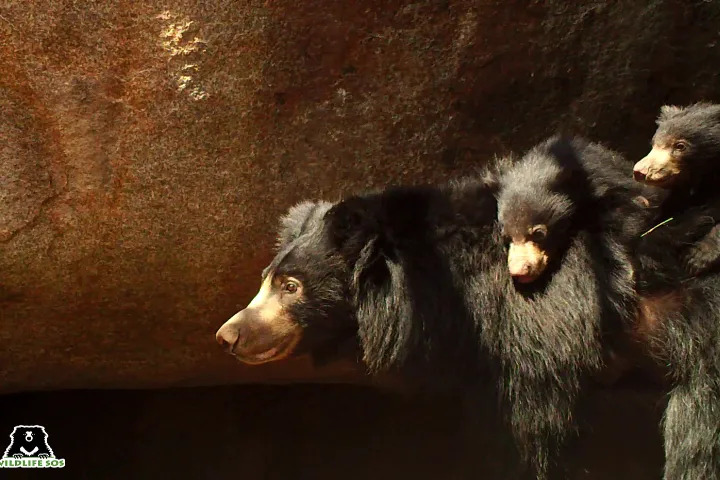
{"x":254,"y":338}
{"x":229,"y":334}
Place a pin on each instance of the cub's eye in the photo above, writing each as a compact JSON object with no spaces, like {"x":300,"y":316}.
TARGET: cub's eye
{"x":680,"y":146}
{"x":538,"y":233}
{"x":290,"y":287}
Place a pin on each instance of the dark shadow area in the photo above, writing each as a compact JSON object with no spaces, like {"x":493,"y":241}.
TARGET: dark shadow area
{"x":314,"y":433}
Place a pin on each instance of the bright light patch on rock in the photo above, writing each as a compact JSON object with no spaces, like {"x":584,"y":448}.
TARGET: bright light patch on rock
{"x":174,"y":41}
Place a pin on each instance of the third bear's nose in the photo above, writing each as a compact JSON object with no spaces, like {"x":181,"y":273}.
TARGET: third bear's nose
{"x":639,"y":175}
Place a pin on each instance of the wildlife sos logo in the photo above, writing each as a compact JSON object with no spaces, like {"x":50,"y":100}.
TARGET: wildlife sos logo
{"x":29,"y":448}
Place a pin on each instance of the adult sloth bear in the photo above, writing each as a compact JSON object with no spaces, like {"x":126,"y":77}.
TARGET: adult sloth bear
{"x":419,"y":274}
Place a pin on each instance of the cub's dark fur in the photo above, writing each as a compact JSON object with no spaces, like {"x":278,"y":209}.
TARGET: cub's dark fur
{"x":570,"y":185}
{"x":685,"y":161}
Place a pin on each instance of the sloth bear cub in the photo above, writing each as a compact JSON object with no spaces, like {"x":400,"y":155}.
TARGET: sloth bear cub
{"x":685,"y":160}
{"x":685,"y":149}
{"x":559,"y":187}
{"x":419,"y":276}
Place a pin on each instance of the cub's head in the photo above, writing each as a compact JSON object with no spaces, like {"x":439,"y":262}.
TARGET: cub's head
{"x":536,"y":207}
{"x":685,"y":146}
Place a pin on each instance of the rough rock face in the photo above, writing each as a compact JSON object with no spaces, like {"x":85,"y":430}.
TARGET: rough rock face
{"x":147,"y":148}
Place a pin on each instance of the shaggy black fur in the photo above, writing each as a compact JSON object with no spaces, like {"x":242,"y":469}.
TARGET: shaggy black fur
{"x":691,"y":341}
{"x":683,"y":249}
{"x":692,"y":204}
{"x":699,"y":126}
{"x":582,"y":192}
{"x":421,"y":273}
{"x":573,"y":185}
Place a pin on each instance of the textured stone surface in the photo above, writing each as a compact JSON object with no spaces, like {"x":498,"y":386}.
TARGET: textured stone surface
{"x":146,"y":148}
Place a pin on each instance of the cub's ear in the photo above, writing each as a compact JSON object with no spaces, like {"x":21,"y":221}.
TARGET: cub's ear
{"x":564,"y":151}
{"x":668,"y":111}
{"x":384,"y":310}
{"x":568,"y":160}
{"x":713,"y":109}
{"x":492,"y":174}
{"x":298,"y":219}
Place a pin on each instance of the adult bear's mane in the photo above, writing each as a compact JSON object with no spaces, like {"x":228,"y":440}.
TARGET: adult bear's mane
{"x":432,"y":297}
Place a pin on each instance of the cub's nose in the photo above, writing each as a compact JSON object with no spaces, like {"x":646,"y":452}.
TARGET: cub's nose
{"x":639,"y":175}
{"x":518,"y":269}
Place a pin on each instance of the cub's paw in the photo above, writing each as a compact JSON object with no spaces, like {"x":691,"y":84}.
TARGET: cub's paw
{"x":700,"y":261}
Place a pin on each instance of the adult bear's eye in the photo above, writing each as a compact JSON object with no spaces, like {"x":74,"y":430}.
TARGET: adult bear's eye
{"x":290,"y":287}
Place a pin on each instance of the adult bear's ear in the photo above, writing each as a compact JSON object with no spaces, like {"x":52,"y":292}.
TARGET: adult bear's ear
{"x":379,"y":285}
{"x":351,"y":224}
{"x":668,"y":111}
{"x":383,"y":307}
{"x":298,"y":219}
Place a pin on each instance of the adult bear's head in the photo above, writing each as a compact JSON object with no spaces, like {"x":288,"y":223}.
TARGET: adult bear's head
{"x":336,"y":277}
